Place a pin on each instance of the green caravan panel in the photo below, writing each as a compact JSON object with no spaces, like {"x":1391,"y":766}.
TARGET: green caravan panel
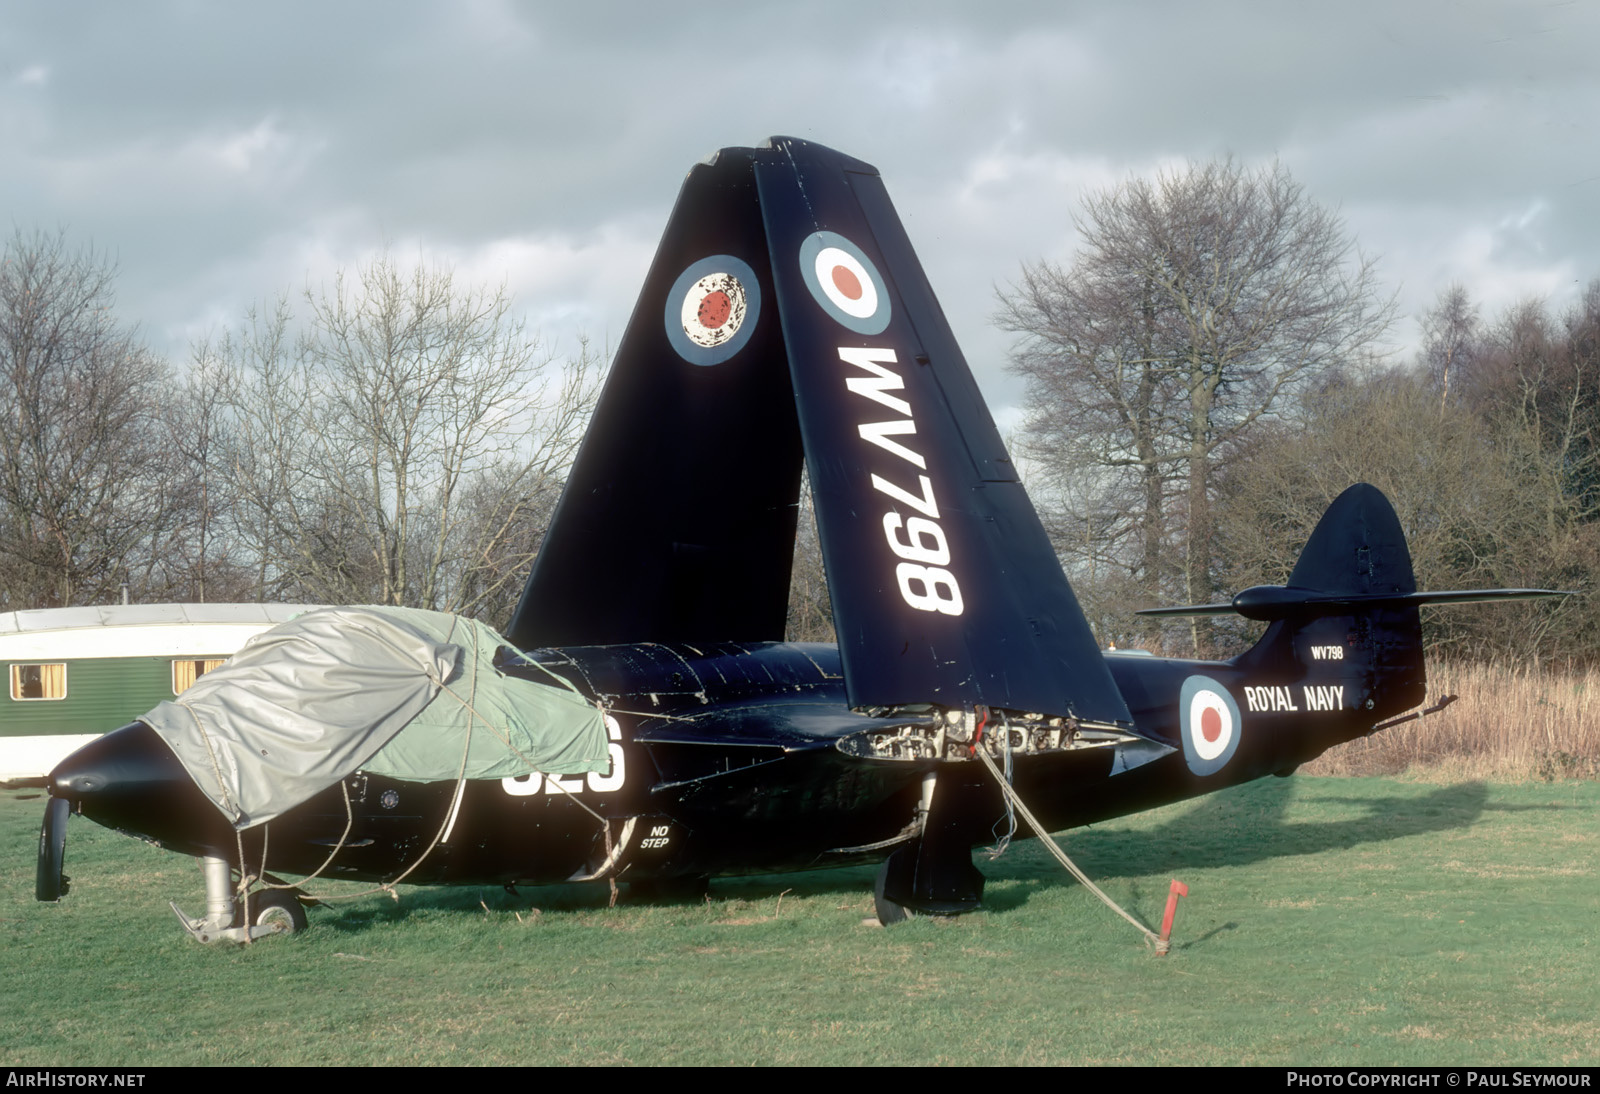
{"x":103,"y":694}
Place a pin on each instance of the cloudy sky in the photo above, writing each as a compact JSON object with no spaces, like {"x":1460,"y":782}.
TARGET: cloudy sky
{"x":224,"y":154}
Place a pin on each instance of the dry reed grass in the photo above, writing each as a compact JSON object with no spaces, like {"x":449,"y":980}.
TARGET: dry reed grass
{"x":1509,"y":723}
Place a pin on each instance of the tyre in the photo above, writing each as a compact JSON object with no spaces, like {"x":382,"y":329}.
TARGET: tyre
{"x":50,"y":883}
{"x":275,"y":908}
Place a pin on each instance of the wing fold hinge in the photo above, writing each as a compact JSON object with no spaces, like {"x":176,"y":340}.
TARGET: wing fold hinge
{"x":956,"y":734}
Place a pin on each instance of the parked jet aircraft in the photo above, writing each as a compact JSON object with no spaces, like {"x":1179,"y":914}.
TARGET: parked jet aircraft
{"x":657,"y":728}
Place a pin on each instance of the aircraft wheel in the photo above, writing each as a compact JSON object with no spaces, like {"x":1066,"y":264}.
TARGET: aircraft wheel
{"x":889,"y":913}
{"x":50,"y":883}
{"x":275,"y":908}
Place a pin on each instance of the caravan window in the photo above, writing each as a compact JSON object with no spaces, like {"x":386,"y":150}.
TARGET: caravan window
{"x":185,"y":673}
{"x":39,"y":681}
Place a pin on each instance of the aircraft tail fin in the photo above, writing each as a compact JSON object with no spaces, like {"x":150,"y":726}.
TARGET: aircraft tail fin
{"x":1347,"y":621}
{"x":945,"y":586}
{"x":678,"y":518}
{"x":786,"y":314}
{"x":1346,"y":628}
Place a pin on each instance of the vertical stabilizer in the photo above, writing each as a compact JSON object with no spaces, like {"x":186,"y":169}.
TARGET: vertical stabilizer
{"x":678,"y":520}
{"x":1357,"y":549}
{"x":945,"y":587}
{"x":786,"y":285}
{"x":1372,"y":649}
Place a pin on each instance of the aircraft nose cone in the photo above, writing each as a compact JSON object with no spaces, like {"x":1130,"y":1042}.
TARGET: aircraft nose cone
{"x":76,"y":785}
{"x":131,"y":781}
{"x":130,"y":760}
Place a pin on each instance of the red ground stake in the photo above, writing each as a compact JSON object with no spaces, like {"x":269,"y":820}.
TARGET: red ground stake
{"x":1176,"y":890}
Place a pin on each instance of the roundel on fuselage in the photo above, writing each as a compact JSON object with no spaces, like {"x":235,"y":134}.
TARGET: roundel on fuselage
{"x":1210,"y":723}
{"x":845,"y":282}
{"x":712,"y":309}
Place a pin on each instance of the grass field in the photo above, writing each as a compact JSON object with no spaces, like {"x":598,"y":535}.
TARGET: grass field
{"x":1331,"y":921}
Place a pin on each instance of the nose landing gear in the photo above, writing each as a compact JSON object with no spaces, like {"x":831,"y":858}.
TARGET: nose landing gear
{"x":263,"y":913}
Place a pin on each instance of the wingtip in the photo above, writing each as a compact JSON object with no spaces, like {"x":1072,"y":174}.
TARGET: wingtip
{"x":800,"y":148}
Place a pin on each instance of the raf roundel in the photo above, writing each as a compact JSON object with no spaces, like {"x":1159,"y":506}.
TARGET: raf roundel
{"x":1210,"y":719}
{"x":712,"y":309}
{"x":845,"y":282}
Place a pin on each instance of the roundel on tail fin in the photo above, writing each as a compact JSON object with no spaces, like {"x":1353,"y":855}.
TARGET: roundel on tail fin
{"x":712,"y":309}
{"x":845,"y":282}
{"x":1210,"y":720}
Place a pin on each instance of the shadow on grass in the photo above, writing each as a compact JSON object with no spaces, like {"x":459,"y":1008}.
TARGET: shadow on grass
{"x":361,"y":913}
{"x":1249,"y":824}
{"x":1236,"y":827}
{"x":854,"y":883}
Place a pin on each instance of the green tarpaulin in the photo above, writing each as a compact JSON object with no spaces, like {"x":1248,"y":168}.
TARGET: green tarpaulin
{"x":394,"y":691}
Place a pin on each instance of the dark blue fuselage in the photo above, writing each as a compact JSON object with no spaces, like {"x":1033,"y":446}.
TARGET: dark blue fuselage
{"x":727,"y":758}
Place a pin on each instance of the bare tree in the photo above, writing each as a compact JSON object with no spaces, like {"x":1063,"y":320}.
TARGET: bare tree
{"x":402,"y":441}
{"x":1197,"y":303}
{"x":1536,"y":377}
{"x":200,"y":557}
{"x":85,"y":479}
{"x":810,"y":605}
{"x":1450,"y":338}
{"x":1475,"y":511}
{"x":1490,"y":449}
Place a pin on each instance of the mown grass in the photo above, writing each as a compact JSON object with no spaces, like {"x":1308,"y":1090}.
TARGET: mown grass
{"x":1331,"y":921}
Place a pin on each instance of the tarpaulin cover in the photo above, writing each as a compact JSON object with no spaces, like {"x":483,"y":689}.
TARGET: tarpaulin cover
{"x":394,"y":691}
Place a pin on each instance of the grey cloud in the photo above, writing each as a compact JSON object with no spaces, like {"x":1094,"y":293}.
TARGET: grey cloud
{"x":224,"y":152}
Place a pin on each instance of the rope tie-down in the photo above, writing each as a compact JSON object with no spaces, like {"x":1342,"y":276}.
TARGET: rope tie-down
{"x":477,"y":721}
{"x":1162,"y":941}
